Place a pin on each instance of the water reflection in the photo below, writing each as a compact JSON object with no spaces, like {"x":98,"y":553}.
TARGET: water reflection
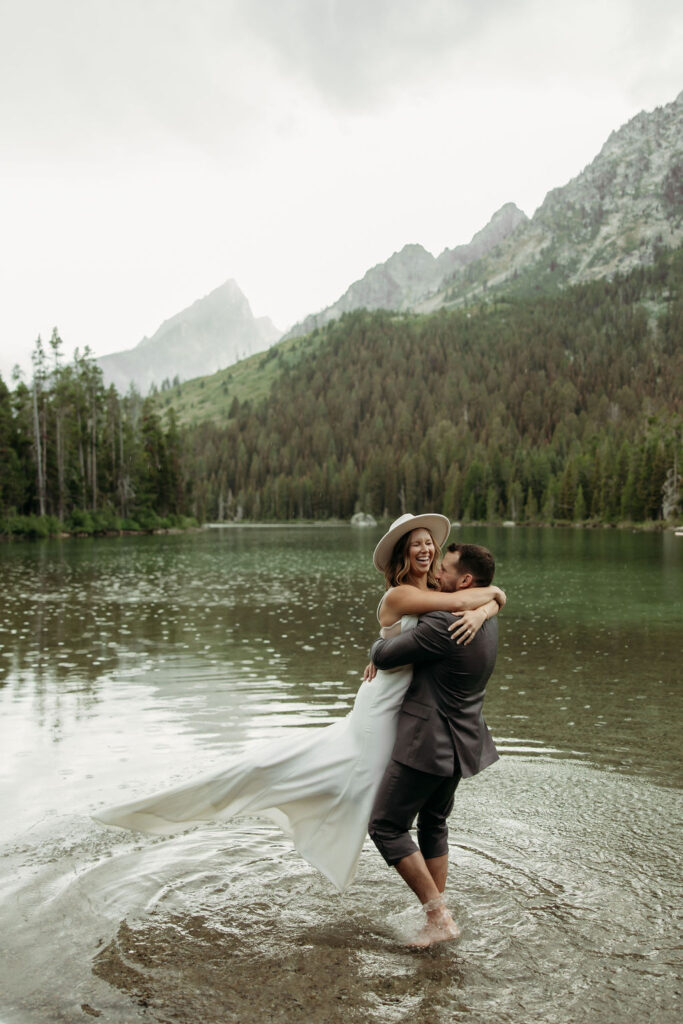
{"x":590,"y":640}
{"x":128,"y":664}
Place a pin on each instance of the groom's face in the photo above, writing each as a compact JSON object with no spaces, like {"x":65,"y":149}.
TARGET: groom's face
{"x":448,"y":574}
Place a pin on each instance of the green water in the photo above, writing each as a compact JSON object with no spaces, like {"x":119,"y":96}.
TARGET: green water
{"x":127,"y":664}
{"x":591,"y":638}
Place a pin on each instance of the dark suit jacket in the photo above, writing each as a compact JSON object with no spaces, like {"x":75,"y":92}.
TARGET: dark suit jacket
{"x":441,"y":729}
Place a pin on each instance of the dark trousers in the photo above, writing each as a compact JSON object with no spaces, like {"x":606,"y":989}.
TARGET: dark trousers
{"x":404,"y":794}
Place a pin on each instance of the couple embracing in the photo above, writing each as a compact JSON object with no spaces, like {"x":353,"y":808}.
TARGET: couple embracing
{"x":415,"y":729}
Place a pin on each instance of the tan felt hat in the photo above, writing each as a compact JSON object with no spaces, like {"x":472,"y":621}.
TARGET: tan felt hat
{"x":439,"y":526}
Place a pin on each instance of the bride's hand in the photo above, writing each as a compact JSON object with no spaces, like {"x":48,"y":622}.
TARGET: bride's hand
{"x":467,"y":625}
{"x":370,"y":672}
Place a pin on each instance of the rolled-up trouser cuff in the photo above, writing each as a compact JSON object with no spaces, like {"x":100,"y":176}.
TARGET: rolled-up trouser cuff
{"x":393,"y":848}
{"x":405,"y":793}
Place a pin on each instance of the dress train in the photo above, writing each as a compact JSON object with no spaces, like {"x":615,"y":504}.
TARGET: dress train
{"x":317,"y":785}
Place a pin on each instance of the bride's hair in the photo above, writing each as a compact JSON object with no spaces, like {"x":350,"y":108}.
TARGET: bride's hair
{"x":398,"y":566}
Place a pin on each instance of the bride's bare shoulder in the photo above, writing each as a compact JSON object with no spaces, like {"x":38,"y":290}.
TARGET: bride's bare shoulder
{"x":393,"y":604}
{"x":386,"y":610}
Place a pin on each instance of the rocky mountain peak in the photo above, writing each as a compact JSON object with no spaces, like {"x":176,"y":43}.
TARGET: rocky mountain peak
{"x":212,"y":333}
{"x":410,"y":275}
{"x":611,"y":217}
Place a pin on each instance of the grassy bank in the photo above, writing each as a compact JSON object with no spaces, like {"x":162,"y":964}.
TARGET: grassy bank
{"x":106,"y":524}
{"x":89,"y":524}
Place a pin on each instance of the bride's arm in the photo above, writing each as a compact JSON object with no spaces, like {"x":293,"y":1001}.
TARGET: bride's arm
{"x":471,"y":606}
{"x":409,"y":600}
{"x":468,"y":623}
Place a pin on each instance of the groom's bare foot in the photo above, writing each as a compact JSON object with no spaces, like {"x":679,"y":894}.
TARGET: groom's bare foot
{"x":439,"y":927}
{"x":431,"y":934}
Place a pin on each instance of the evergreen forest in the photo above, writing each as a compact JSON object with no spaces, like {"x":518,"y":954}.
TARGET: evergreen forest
{"x":536,"y":408}
{"x":80,"y":458}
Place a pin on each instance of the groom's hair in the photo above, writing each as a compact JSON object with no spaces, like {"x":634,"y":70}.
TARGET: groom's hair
{"x":478,"y":561}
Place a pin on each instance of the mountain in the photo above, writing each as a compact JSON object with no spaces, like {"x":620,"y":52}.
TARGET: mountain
{"x":610,"y":218}
{"x":212,"y":333}
{"x":613,"y":216}
{"x":411,"y":274}
{"x":563,"y":407}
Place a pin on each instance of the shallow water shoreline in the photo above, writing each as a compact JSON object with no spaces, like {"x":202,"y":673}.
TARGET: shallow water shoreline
{"x":654,"y":526}
{"x":226,"y":924}
{"x":127,"y":668}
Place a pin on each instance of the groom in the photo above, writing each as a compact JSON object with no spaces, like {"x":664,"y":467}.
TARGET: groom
{"x":441,"y":738}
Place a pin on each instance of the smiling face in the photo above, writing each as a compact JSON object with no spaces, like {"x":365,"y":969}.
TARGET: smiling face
{"x":420,"y":552}
{"x":412,"y":560}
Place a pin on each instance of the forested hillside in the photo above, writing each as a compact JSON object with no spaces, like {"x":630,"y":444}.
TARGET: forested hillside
{"x":564,"y":408}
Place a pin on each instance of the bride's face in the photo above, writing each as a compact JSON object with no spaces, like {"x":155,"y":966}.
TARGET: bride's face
{"x":420,"y":552}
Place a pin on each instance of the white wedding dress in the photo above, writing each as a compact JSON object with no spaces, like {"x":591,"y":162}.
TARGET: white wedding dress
{"x":318,"y":785}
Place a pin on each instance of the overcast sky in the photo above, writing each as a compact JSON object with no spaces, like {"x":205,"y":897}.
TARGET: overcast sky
{"x":153,"y":149}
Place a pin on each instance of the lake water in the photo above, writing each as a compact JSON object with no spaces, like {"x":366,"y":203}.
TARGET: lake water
{"x":129,"y":664}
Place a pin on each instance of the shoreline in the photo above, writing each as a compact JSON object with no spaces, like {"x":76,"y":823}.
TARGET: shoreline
{"x":12,"y":538}
{"x":650,"y":526}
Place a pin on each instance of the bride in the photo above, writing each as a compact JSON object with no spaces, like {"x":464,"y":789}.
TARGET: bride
{"x":319,"y":785}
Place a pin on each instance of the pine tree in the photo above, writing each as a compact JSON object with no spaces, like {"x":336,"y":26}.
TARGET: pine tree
{"x":579,"y":506}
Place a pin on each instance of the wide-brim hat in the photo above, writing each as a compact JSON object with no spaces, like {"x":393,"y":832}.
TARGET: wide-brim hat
{"x":439,"y":527}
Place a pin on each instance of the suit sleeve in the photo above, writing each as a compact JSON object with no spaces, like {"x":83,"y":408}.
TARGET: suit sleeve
{"x":429,"y":641}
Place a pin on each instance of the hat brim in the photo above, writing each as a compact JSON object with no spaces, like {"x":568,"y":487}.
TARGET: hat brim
{"x":439,"y":526}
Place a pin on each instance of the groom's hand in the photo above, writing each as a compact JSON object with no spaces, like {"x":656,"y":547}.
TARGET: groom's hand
{"x":370,"y":672}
